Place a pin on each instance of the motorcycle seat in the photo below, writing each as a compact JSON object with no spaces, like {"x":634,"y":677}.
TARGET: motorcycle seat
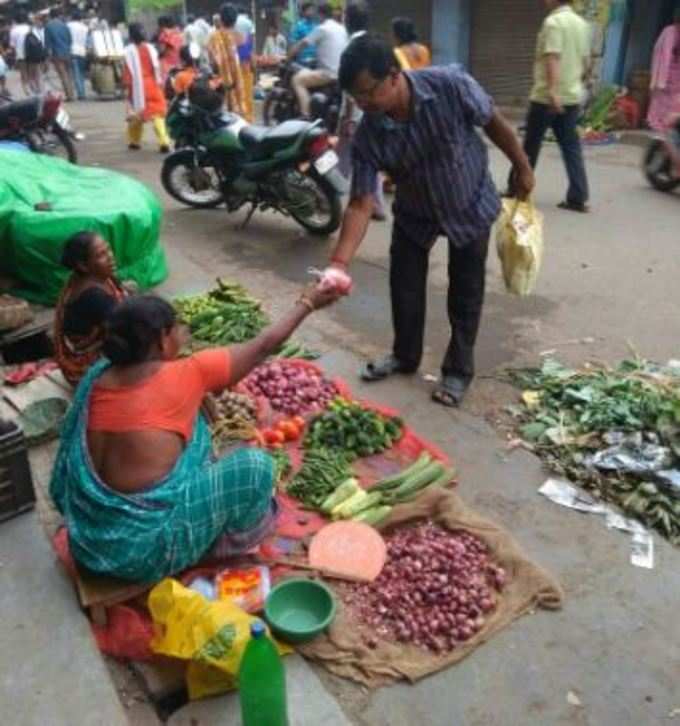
{"x":24,"y":111}
{"x":270,"y":139}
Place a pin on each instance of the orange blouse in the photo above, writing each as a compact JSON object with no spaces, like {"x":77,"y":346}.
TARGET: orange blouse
{"x":169,"y":400}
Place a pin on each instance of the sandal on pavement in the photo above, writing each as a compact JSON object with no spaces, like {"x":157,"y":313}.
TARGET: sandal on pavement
{"x":450,"y":391}
{"x":573,"y":207}
{"x":381,"y":369}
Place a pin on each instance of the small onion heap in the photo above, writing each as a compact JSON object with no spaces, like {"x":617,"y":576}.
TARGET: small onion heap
{"x":291,"y":388}
{"x":436,"y":590}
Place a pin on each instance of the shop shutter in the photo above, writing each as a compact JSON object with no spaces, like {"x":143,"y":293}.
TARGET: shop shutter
{"x":502,"y":46}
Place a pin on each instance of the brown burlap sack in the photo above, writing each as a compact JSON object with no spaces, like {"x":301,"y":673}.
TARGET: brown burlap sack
{"x":343,"y":650}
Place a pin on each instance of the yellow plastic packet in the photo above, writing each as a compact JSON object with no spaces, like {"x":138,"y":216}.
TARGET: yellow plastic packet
{"x":211,"y":635}
{"x":519,"y":241}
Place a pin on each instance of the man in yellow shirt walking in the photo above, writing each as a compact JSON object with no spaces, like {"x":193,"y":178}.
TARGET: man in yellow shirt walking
{"x":560,"y":70}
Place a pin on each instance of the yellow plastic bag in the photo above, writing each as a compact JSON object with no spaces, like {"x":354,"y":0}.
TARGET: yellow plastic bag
{"x":212,"y":636}
{"x":519,"y":241}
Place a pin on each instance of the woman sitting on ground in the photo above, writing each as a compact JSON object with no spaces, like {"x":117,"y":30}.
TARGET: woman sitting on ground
{"x":90,"y":296}
{"x":134,"y":478}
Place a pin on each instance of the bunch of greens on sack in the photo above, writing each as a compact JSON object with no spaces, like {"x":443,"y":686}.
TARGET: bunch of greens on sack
{"x":566,"y":413}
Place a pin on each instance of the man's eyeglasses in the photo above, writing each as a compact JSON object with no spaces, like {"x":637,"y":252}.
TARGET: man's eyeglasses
{"x":368,"y":93}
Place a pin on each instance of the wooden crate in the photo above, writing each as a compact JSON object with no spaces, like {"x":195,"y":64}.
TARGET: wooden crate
{"x":16,"y":483}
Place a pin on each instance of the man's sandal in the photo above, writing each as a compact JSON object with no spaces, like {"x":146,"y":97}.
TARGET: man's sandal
{"x":450,"y":391}
{"x":381,"y":369}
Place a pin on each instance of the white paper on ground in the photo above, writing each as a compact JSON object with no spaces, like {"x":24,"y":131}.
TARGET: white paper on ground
{"x":566,"y":494}
{"x":642,"y":550}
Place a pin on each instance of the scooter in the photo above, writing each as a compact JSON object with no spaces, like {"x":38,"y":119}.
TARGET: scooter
{"x":662,"y":161}
{"x":40,"y":122}
{"x":221,"y":159}
{"x":281,"y":104}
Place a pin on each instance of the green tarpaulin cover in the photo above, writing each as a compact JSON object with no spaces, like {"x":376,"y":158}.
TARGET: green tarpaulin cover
{"x":123,"y":211}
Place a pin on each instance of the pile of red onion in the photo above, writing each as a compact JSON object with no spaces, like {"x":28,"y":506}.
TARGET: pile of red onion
{"x":436,"y":590}
{"x":291,"y":389}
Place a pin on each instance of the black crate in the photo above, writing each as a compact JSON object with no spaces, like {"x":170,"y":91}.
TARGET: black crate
{"x":16,"y":484}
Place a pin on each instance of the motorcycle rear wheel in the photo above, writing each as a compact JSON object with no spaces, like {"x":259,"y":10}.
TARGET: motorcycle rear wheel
{"x":659,"y":169}
{"x":191,"y":184}
{"x":328,"y":208}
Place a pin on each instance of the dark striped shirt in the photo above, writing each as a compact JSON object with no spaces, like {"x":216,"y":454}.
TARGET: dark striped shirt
{"x":437,"y":159}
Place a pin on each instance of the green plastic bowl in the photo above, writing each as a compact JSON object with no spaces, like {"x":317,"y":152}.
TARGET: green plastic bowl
{"x":298,"y":610}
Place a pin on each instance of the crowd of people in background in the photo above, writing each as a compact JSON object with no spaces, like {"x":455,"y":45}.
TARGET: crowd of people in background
{"x":50,"y":40}
{"x":222,"y":46}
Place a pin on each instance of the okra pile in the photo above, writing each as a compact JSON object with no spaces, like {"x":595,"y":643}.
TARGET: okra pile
{"x":356,"y":430}
{"x":322,"y":472}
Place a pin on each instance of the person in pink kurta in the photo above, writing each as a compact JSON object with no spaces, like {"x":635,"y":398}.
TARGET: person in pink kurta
{"x":665,"y":84}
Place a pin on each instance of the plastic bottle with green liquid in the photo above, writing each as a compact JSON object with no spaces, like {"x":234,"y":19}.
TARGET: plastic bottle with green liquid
{"x":262,"y":681}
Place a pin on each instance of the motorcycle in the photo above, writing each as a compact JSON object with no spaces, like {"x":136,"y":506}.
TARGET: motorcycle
{"x":281,"y":104}
{"x":40,"y":122}
{"x":662,"y":161}
{"x":220,"y":158}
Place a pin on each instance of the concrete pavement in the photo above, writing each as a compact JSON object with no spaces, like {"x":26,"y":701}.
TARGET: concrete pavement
{"x":51,"y":673}
{"x":609,"y":277}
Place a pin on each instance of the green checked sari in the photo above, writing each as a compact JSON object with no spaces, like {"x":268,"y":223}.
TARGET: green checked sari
{"x":168,"y":527}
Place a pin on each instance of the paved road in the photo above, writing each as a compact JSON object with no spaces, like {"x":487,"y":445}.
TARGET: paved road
{"x":611,"y":277}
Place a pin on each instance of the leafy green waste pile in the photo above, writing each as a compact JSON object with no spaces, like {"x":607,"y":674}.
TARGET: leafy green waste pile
{"x":614,"y":431}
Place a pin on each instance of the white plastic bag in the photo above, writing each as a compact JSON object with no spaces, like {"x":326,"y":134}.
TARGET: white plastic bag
{"x":519,"y":241}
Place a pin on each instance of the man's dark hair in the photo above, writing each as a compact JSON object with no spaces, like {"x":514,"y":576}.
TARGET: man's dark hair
{"x":186,"y":57}
{"x":136,"y":33}
{"x":191,"y":19}
{"x":76,"y":251}
{"x":21,"y":17}
{"x":228,"y":15}
{"x":404,"y":30}
{"x":135,"y":326}
{"x":76,"y":15}
{"x":356,"y":18}
{"x":55,"y":13}
{"x":370,"y":53}
{"x":165,"y":21}
{"x":325,"y":11}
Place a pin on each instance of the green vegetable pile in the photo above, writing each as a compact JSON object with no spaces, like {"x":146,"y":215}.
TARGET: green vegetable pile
{"x":355,"y":430}
{"x":569,"y":415}
{"x":350,"y":501}
{"x":223,"y":316}
{"x":322,"y":472}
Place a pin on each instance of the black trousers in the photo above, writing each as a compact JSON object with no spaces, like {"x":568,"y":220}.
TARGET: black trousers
{"x":564,"y":125}
{"x":409,"y":264}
